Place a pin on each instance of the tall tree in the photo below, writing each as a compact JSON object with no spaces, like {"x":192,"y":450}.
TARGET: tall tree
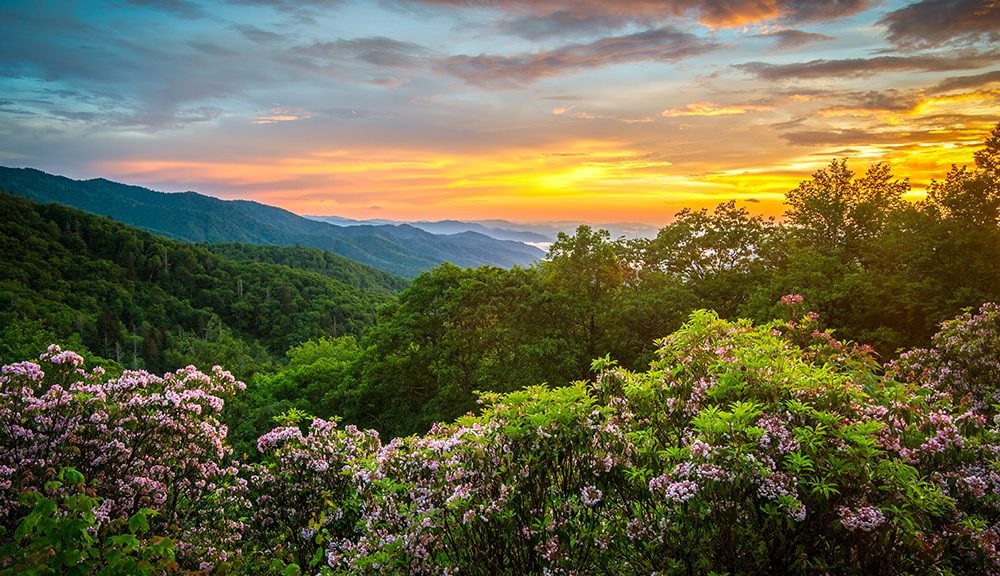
{"x":833,"y":210}
{"x":587,"y":270}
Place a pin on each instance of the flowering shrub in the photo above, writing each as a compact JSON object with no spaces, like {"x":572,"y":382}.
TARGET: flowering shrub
{"x":774,"y":449}
{"x":963,"y":362}
{"x":757,"y":456}
{"x":962,"y":369}
{"x":307,"y":491}
{"x":521,"y":489}
{"x":64,"y":537}
{"x":142,"y":441}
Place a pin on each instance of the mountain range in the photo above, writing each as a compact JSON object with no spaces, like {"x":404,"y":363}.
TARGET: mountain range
{"x":534,"y":233}
{"x":451,"y":227}
{"x":401,"y":249}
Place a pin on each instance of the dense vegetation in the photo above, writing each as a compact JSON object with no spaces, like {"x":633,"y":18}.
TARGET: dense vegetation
{"x":738,"y":444}
{"x":742,"y":450}
{"x":147,"y":302}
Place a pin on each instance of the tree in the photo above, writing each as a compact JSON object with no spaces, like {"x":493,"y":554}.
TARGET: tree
{"x":717,"y":254}
{"x":586,"y":271}
{"x":836,"y":211}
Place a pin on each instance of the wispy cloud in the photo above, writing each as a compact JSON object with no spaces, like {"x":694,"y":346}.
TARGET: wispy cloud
{"x":283,"y":114}
{"x":965,"y":82}
{"x":376,"y":50}
{"x":790,"y":39}
{"x":181,"y":8}
{"x":258,"y":35}
{"x":861,"y":67}
{"x":661,"y":45}
{"x":933,"y":23}
{"x":710,"y":109}
{"x":555,"y":16}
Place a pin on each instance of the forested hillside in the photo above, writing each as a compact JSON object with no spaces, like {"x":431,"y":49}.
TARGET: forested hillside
{"x":402,"y":250}
{"x":147,"y":302}
{"x":314,"y":260}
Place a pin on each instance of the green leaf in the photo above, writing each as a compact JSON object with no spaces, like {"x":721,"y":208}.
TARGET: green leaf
{"x":71,"y":476}
{"x":138,"y":523}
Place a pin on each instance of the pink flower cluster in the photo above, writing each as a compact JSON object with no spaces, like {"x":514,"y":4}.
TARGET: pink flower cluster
{"x":792,"y":299}
{"x":865,"y":518}
{"x":142,"y":440}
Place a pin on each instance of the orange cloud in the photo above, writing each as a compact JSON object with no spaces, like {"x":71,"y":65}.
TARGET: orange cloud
{"x":282,"y":114}
{"x":710,"y":109}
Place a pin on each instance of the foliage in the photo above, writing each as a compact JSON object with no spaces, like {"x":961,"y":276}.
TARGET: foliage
{"x":142,"y":441}
{"x":742,"y":450}
{"x":152,"y":303}
{"x":963,"y":364}
{"x":517,"y":490}
{"x":453,"y":332}
{"x":306,"y":493}
{"x":834,"y":210}
{"x":315,"y":260}
{"x":65,"y":537}
{"x":761,"y":457}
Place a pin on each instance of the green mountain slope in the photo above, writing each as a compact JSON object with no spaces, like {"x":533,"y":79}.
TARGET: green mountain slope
{"x":323,"y":262}
{"x":160,"y":304}
{"x":402,"y":249}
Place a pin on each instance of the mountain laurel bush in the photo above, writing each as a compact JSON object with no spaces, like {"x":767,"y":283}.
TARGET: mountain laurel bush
{"x":770,"y":449}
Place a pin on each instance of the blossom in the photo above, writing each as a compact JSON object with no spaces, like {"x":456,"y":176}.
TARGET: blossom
{"x":865,"y":518}
{"x":591,"y":496}
{"x":792,"y":299}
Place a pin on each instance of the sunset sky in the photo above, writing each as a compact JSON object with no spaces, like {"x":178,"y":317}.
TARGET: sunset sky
{"x":591,"y":110}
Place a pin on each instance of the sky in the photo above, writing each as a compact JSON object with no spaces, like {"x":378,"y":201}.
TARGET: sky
{"x":526,"y":110}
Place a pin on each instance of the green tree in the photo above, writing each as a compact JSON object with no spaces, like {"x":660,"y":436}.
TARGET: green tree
{"x":585,"y":270}
{"x":717,"y":254}
{"x":834,"y":210}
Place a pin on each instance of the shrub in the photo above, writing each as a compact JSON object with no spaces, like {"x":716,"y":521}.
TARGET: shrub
{"x":142,"y":442}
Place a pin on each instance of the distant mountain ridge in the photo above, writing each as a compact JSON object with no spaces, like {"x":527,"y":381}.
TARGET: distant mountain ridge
{"x":535,"y":233}
{"x":401,"y":249}
{"x":449,"y":227}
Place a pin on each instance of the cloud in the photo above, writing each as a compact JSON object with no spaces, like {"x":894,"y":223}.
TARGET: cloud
{"x":538,"y":18}
{"x":213,"y":49}
{"x":965,"y":82}
{"x":933,"y":23}
{"x":289,"y":4}
{"x":861,"y":67}
{"x":301,"y":12}
{"x":257,"y":35}
{"x":819,"y":11}
{"x":908,"y":136}
{"x":562,"y":23}
{"x":295,"y":7}
{"x":891,"y":100}
{"x":151,"y":119}
{"x":376,"y":50}
{"x":283,"y":114}
{"x":661,"y":45}
{"x":788,"y":39}
{"x":180,"y":8}
{"x":710,"y":109}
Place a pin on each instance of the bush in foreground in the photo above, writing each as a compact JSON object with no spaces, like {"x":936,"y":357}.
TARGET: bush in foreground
{"x":743,"y":450}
